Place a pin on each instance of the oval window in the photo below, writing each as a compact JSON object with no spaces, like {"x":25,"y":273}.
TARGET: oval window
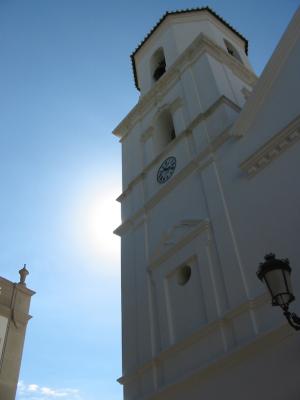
{"x":184,"y":274}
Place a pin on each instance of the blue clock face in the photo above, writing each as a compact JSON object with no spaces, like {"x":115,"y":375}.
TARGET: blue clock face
{"x":166,"y":170}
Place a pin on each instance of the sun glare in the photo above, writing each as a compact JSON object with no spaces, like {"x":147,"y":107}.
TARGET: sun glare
{"x":96,"y":216}
{"x":103,"y":216}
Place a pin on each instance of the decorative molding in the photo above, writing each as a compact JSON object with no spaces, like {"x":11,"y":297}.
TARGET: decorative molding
{"x":177,"y":103}
{"x":25,"y":290}
{"x":126,"y":226}
{"x":207,"y":113}
{"x":10,"y":285}
{"x":207,"y":370}
{"x":202,"y":44}
{"x":272,"y":149}
{"x":175,"y":238}
{"x":201,"y":161}
{"x":203,"y":332}
{"x":173,"y":106}
{"x":222,"y":100}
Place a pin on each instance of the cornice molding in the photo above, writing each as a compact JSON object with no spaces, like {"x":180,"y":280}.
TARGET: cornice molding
{"x":237,"y":355}
{"x":19,"y":286}
{"x":176,"y":104}
{"x":193,"y":124}
{"x":172,"y":107}
{"x":271,"y":150}
{"x":199,"y":162}
{"x":24,"y":289}
{"x":154,"y":96}
{"x":204,"y":331}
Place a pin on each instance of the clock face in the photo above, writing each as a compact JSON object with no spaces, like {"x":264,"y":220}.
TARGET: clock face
{"x":166,"y":170}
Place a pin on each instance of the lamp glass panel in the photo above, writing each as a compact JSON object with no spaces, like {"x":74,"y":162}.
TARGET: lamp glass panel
{"x":279,"y":284}
{"x":275,"y":281}
{"x":288,"y":281}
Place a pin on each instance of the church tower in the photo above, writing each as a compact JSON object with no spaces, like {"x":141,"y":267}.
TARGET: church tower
{"x":185,"y":296}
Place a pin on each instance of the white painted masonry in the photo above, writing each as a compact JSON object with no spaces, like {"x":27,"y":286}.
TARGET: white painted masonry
{"x":233,"y":197}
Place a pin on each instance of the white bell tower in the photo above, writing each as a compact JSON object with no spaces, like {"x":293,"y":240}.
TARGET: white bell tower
{"x":182,"y":276}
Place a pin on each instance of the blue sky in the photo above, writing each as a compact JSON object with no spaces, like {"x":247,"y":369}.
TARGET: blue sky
{"x":66,"y":82}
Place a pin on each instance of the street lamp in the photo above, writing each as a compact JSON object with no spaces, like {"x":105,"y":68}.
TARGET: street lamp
{"x":276,"y":274}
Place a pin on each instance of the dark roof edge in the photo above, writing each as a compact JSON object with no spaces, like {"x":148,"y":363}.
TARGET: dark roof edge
{"x":166,"y":14}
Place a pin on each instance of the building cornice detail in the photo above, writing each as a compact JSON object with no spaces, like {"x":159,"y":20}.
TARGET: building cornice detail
{"x":206,"y":330}
{"x":198,"y":162}
{"x":173,"y":106}
{"x":20,"y":287}
{"x":154,"y":96}
{"x":200,"y":117}
{"x":271,"y":150}
{"x":24,"y":289}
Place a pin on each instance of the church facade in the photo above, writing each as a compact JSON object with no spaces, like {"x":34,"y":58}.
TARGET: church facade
{"x":210,"y":158}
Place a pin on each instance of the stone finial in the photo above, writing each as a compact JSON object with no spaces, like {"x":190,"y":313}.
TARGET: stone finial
{"x":23,"y":274}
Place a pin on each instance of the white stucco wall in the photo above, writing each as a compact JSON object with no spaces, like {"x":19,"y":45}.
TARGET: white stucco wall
{"x":217,"y":335}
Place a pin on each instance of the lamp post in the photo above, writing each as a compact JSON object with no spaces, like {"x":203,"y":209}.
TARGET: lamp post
{"x":276,"y":274}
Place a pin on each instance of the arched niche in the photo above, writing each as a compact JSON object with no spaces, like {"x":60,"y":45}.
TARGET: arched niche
{"x":233,"y":51}
{"x":158,"y":64}
{"x":165,"y":131}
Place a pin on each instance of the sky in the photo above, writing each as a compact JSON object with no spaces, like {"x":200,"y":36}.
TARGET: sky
{"x":65,"y":83}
